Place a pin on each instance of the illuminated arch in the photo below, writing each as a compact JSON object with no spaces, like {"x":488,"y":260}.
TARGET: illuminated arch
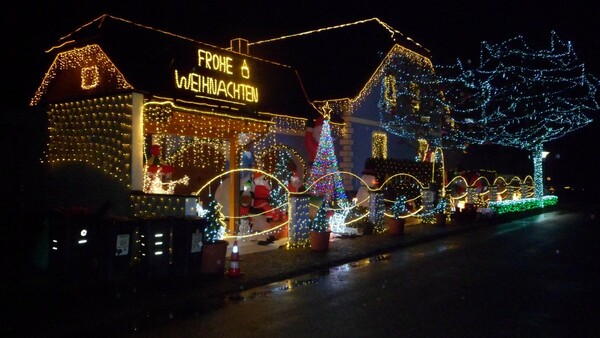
{"x":295,"y":156}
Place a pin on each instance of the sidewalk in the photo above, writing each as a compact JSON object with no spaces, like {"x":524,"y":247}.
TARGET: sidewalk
{"x":59,"y":308}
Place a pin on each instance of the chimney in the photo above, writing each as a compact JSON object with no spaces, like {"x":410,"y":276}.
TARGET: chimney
{"x":240,"y":45}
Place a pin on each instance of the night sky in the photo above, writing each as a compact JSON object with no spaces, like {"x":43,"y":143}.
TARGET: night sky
{"x":449,"y":29}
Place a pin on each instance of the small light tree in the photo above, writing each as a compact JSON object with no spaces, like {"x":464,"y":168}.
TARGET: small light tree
{"x":320,"y":223}
{"x":277,"y":195}
{"x":215,"y":229}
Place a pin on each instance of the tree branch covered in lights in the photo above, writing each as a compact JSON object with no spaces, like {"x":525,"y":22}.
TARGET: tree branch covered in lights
{"x":531,"y":97}
{"x":416,"y":100}
{"x":517,"y":96}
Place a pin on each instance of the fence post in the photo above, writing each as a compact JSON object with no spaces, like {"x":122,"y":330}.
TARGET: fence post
{"x":524,"y":189}
{"x":376,"y":209}
{"x":493,"y":193}
{"x":471,"y":195}
{"x":299,"y":219}
{"x":510,"y":192}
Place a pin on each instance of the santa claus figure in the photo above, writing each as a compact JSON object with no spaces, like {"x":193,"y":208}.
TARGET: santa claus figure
{"x":246,"y":198}
{"x":261,"y":191}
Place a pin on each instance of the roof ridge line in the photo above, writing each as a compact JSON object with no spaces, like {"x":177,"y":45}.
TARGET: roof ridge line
{"x":313,"y":31}
{"x":102,"y":17}
{"x":385,"y":25}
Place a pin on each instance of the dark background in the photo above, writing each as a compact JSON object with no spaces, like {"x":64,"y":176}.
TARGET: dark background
{"x":449,"y":29}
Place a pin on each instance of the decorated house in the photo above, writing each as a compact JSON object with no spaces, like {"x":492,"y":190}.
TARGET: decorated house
{"x":143,"y":121}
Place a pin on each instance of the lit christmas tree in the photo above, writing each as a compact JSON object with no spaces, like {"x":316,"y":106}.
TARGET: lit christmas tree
{"x":533,"y":97}
{"x":325,"y":167}
{"x":398,"y":208}
{"x":320,"y":223}
{"x":277,"y":195}
{"x":215,"y":229}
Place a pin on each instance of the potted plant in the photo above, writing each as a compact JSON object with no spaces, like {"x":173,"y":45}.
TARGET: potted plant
{"x":319,"y":229}
{"x":440,"y":211}
{"x":398,"y":220}
{"x":214,"y":248}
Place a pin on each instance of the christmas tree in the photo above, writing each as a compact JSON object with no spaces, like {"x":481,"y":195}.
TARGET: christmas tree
{"x":320,"y":223}
{"x":398,"y":208}
{"x":325,"y":172}
{"x":215,"y":229}
{"x":277,"y":195}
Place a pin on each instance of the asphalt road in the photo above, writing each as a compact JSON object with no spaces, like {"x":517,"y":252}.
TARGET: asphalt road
{"x":535,"y":277}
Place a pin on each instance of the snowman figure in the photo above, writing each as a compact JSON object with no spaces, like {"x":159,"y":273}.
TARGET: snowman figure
{"x":362,"y":196}
{"x":295,"y":183}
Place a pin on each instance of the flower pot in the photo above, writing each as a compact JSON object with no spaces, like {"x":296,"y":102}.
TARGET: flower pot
{"x":396,"y":226}
{"x":280,"y":232}
{"x":440,"y":219}
{"x":213,"y":257}
{"x":319,"y":241}
{"x":368,"y":229}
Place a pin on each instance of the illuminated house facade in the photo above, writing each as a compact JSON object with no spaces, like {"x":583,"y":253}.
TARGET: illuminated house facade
{"x":355,"y":69}
{"x":122,"y":97}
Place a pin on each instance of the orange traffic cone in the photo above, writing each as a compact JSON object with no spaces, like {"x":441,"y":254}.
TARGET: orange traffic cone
{"x":234,"y":262}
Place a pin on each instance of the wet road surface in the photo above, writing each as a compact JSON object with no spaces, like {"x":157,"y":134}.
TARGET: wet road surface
{"x":535,"y":277}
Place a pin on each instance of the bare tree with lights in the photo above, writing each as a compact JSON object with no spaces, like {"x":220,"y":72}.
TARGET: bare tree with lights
{"x":532,"y":97}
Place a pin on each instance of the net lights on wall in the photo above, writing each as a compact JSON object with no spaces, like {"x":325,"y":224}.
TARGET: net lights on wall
{"x":93,"y":131}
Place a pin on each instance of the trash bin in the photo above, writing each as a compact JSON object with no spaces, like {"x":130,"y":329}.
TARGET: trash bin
{"x":187,"y":246}
{"x":74,"y":243}
{"x":155,"y":246}
{"x":119,"y":256}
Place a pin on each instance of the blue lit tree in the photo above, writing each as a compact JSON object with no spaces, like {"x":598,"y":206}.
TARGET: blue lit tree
{"x":277,"y":195}
{"x":517,"y":97}
{"x":531,"y":97}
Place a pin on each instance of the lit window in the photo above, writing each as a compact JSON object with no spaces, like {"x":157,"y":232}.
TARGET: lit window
{"x":89,"y":77}
{"x":379,"y":145}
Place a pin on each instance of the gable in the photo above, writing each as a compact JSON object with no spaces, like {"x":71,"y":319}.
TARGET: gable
{"x":80,"y":73}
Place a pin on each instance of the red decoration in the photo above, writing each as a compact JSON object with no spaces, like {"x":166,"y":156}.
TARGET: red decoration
{"x":311,"y":138}
{"x":261,"y":195}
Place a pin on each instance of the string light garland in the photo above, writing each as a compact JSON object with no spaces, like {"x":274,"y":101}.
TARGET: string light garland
{"x":502,"y":207}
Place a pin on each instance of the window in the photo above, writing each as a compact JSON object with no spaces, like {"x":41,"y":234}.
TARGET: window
{"x":379,"y":145}
{"x":89,"y":77}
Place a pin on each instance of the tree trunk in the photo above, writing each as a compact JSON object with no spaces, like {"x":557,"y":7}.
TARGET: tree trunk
{"x":538,"y":175}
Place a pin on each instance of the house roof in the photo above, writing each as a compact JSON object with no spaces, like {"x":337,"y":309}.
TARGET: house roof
{"x":336,"y":62}
{"x":148,"y":58}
